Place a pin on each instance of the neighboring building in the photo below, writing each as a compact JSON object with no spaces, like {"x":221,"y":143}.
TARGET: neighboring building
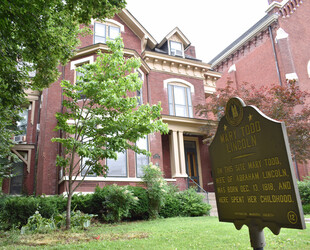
{"x":171,"y":75}
{"x":274,"y":50}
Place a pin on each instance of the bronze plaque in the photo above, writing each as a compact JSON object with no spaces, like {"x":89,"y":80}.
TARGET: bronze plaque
{"x":253,"y":171}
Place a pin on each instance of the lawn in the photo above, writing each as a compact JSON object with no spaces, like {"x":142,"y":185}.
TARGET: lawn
{"x":173,"y":233}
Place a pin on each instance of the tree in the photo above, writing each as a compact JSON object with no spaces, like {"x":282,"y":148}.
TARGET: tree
{"x":283,"y":103}
{"x":106,"y":120}
{"x":35,"y":36}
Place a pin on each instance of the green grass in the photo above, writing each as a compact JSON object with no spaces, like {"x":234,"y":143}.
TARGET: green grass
{"x":173,"y":233}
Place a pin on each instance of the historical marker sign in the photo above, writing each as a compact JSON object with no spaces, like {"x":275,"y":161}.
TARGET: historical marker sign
{"x":253,"y":171}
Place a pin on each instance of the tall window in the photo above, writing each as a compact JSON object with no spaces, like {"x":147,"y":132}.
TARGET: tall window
{"x":16,"y":181}
{"x":86,"y":168}
{"x":118,"y":168}
{"x":85,"y":164}
{"x":176,"y":48}
{"x":141,"y":159}
{"x":180,"y":101}
{"x":22,"y":123}
{"x":104,"y":31}
{"x":139,"y":92}
{"x":78,"y":76}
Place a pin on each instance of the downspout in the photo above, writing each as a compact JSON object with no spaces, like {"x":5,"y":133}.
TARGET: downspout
{"x":275,"y":54}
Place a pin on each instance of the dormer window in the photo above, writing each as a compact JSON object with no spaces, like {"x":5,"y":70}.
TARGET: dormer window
{"x":176,"y":48}
{"x":104,"y":32}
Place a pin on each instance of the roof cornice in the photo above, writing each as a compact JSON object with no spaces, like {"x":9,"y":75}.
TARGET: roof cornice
{"x":93,"y":49}
{"x":175,"y":59}
{"x":137,"y":28}
{"x":271,"y":19}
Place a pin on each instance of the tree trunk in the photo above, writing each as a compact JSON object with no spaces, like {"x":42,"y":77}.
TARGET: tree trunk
{"x":68,"y":213}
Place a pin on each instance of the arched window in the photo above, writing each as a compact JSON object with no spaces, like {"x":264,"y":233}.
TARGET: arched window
{"x":179,"y":97}
{"x":108,"y":30}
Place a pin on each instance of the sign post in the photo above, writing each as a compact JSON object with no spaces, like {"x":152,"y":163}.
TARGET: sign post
{"x":253,"y":173}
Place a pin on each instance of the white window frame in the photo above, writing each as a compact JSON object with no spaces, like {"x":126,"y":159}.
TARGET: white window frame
{"x":173,"y":52}
{"x":108,"y":24}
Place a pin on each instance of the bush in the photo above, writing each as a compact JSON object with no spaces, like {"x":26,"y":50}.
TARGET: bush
{"x":140,"y":209}
{"x":172,"y":206}
{"x":112,"y":203}
{"x":15,"y":210}
{"x":306,"y":208}
{"x":185,"y":203}
{"x":156,"y":188}
{"x":37,"y":224}
{"x":192,"y":203}
{"x":304,"y":190}
{"x":83,"y":203}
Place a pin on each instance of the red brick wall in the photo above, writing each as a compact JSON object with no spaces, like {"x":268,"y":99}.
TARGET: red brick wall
{"x":297,"y":26}
{"x":131,"y":41}
{"x":47,"y":172}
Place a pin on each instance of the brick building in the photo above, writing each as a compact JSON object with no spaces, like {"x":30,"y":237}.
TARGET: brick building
{"x":171,"y":74}
{"x":273,"y":50}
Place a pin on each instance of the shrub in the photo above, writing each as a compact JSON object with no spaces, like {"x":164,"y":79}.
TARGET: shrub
{"x":306,"y":208}
{"x":304,"y":190}
{"x":140,"y":209}
{"x":15,"y":210}
{"x":83,"y":203}
{"x":112,"y":203}
{"x":184,"y":203}
{"x":51,"y":205}
{"x":156,"y":188}
{"x":172,"y":206}
{"x":37,"y":224}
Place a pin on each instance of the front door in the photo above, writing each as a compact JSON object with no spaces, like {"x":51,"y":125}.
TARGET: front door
{"x":191,"y":164}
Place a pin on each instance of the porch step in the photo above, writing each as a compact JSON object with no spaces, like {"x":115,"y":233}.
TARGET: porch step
{"x":212,"y":202}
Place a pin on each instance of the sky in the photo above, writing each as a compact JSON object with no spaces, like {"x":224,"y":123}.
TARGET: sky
{"x":210,"y":25}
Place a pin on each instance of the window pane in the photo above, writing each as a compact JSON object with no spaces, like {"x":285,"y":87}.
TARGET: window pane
{"x":176,"y":48}
{"x":113,"y":32}
{"x":179,"y":95}
{"x":180,"y":110}
{"x":100,"y":33}
{"x":100,"y":29}
{"x":78,"y":75}
{"x":16,"y":182}
{"x":176,"y":45}
{"x":85,"y":168}
{"x":118,"y":167}
{"x":141,"y":159}
{"x":22,"y":124}
{"x":189,"y":102}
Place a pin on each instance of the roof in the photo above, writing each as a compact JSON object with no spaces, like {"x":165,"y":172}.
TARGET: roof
{"x":245,"y":37}
{"x":180,"y":34}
